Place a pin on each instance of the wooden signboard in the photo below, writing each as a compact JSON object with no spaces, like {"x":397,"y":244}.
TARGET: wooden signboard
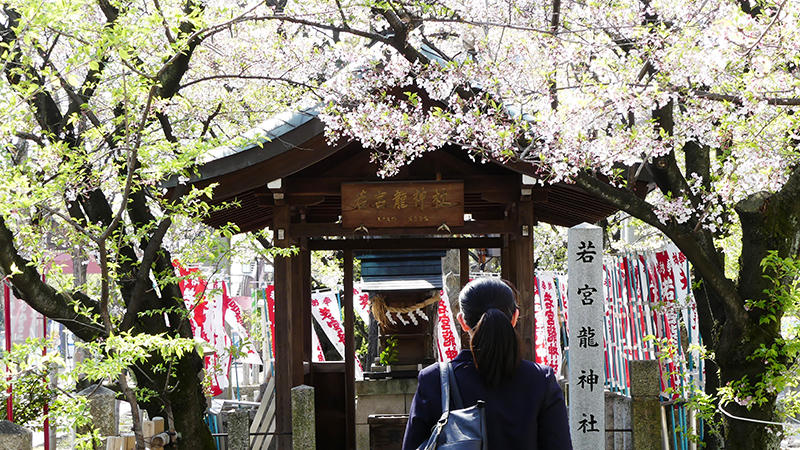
{"x":403,"y":204}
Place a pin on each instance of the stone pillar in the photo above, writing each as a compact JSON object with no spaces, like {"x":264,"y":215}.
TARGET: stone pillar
{"x":586,"y":363}
{"x":645,"y":406}
{"x":451,"y":268}
{"x":103,"y":410}
{"x":610,"y":397}
{"x":618,"y":419}
{"x":304,"y":435}
{"x":238,"y":429}
{"x":15,"y":437}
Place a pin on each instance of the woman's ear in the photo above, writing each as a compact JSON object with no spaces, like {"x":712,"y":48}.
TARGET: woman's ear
{"x":514,"y":317}
{"x":463,"y":324}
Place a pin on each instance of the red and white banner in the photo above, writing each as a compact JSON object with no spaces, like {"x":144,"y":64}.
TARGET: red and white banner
{"x":325,"y":310}
{"x":270,"y":296}
{"x":210,"y":308}
{"x":447,"y":337}
{"x":548,"y":336}
{"x":317,"y":354}
{"x":361,"y":304}
{"x":232,"y":312}
{"x":217,"y":364}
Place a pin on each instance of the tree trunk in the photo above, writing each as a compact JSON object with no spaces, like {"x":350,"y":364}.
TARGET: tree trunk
{"x":736,"y":345}
{"x":766,"y":227}
{"x":187,"y":400}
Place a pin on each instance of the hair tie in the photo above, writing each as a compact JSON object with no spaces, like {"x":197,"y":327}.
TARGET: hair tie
{"x":495,"y":308}
{"x":489,"y":309}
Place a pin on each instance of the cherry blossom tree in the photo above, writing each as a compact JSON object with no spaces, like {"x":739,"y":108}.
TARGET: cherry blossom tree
{"x":701,"y":96}
{"x":104,"y":100}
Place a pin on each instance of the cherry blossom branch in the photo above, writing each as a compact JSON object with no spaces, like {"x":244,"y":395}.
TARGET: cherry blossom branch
{"x":766,"y":30}
{"x":682,"y":236}
{"x":341,"y":14}
{"x":249,"y":77}
{"x":554,"y":20}
{"x":166,"y":127}
{"x":207,"y":122}
{"x":739,"y":99}
{"x":167,"y":33}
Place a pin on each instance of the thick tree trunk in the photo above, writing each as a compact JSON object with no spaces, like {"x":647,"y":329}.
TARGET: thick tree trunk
{"x":187,"y":400}
{"x":768,"y":224}
{"x":733,"y":355}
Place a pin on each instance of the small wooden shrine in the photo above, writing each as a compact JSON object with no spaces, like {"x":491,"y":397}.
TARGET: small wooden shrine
{"x":404,"y":294}
{"x":318,"y":196}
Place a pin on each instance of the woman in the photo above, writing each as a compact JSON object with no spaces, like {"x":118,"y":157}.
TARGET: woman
{"x":524,"y":405}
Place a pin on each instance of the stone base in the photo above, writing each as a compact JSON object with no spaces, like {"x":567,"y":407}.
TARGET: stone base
{"x":15,"y":437}
{"x":391,"y":396}
{"x":646,"y":424}
{"x":618,"y":422}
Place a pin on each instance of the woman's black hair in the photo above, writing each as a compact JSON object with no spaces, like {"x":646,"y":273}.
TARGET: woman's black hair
{"x":488,"y":304}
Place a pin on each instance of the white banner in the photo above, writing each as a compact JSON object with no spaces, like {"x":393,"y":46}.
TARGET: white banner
{"x":548,"y":331}
{"x":325,"y":310}
{"x":447,"y":337}
{"x":317,"y":354}
{"x":361,"y":304}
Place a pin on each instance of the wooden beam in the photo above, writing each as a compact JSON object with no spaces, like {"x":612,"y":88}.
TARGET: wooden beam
{"x":404,"y":244}
{"x":335,"y":229}
{"x":313,"y":186}
{"x":349,"y":352}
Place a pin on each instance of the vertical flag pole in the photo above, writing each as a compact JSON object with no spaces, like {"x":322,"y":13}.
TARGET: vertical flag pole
{"x":46,"y":404}
{"x":7,"y":311}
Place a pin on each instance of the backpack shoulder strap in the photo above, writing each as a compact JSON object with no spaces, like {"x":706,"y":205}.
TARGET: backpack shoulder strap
{"x":454,"y":392}
{"x":444,"y":376}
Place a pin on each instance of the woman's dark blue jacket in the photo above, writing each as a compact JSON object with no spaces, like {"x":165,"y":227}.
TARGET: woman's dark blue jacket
{"x":526,"y":412}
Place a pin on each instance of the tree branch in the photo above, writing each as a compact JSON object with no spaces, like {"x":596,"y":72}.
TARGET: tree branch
{"x":167,"y":33}
{"x":698,"y":161}
{"x":173,"y":70}
{"x":42,"y":297}
{"x":552,"y":84}
{"x":705,"y":263}
{"x":141,"y":216}
{"x":166,"y":126}
{"x":207,"y":122}
{"x":47,"y":113}
{"x":739,"y":99}
{"x":249,"y":77}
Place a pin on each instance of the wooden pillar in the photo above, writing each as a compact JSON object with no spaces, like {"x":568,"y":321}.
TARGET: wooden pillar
{"x":349,"y":353}
{"x":507,"y":259}
{"x":463,"y":262}
{"x":283,"y":332}
{"x":523,"y":264}
{"x":463,"y":273}
{"x":297,"y":304}
{"x":305,"y":275}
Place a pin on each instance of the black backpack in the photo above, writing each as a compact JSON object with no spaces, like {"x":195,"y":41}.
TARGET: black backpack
{"x":460,"y":428}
